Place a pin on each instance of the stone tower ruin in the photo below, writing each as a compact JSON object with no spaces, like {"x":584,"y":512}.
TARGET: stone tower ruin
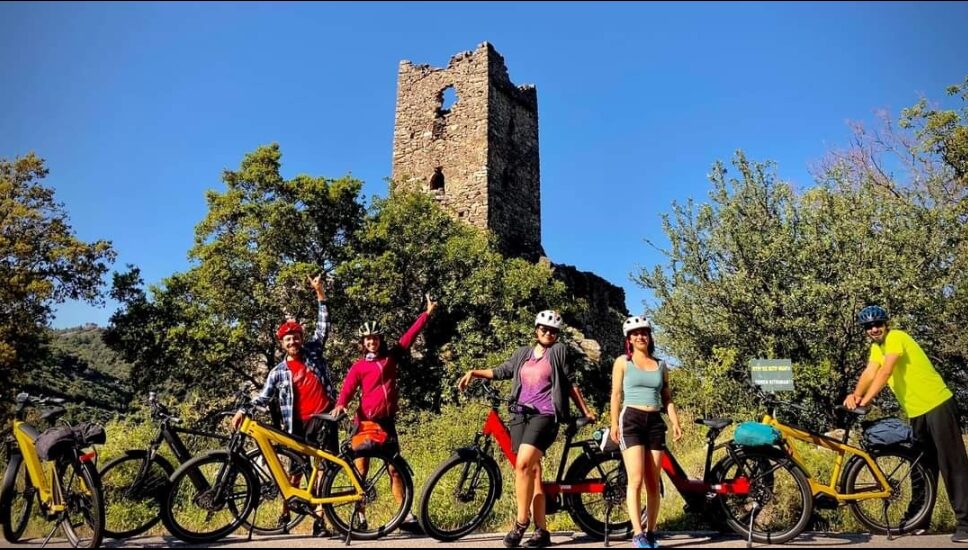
{"x":478,"y":153}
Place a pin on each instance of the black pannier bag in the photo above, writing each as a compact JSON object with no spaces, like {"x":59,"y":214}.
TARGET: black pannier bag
{"x":59,"y":440}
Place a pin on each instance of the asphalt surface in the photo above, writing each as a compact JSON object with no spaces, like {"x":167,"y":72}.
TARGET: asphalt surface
{"x":562,"y":539}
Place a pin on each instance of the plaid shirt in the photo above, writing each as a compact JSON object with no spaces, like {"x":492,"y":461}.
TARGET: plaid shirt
{"x":279,"y":381}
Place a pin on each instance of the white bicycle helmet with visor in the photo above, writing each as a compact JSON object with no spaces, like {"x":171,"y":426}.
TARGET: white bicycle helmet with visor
{"x":635,"y":322}
{"x":548,"y":318}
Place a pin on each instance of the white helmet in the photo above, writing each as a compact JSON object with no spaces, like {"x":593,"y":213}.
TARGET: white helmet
{"x":548,"y":318}
{"x":635,"y":322}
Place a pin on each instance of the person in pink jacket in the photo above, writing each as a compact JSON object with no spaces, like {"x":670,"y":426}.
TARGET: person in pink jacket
{"x":375,"y":374}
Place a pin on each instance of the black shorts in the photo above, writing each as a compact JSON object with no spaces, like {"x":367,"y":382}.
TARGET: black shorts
{"x":642,"y":428}
{"x":389,"y":425}
{"x":537,"y":430}
{"x":318,"y":432}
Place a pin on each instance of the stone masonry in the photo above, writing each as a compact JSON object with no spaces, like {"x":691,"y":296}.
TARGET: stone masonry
{"x":479,"y":158}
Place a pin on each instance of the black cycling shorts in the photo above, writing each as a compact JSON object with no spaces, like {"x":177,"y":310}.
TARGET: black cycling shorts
{"x":642,"y":428}
{"x":537,"y":430}
{"x":318,"y":432}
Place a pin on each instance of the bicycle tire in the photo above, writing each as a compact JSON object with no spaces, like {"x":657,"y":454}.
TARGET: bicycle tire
{"x":471,"y":470}
{"x":183,"y":494}
{"x":83,"y":521}
{"x":376,"y":485}
{"x":770,"y":472}
{"x":133,"y":497}
{"x":587,"y":510}
{"x":18,"y":498}
{"x":264,"y":520}
{"x":909,"y":479}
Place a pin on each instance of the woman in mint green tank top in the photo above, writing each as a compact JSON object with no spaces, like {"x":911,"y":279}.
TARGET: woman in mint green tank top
{"x":640,"y":392}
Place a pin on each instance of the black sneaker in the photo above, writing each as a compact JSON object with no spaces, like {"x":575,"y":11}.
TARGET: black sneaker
{"x":411,"y":525}
{"x":320,"y":530}
{"x":539,"y":539}
{"x":960,"y":536}
{"x":514,"y":536}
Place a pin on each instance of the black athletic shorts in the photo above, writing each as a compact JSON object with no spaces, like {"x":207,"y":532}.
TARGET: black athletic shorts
{"x":642,"y":428}
{"x":538,"y":430}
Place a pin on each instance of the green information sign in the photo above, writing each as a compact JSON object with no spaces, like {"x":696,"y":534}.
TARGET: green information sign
{"x":772,"y":374}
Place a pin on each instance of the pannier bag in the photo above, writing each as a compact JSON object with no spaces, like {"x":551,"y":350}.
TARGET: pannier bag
{"x":754,"y":434}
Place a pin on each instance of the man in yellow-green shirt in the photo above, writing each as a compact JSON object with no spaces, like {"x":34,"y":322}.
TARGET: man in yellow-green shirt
{"x":898,"y":361}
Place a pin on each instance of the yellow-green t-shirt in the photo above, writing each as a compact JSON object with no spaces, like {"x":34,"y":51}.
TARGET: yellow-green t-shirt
{"x":918,"y":387}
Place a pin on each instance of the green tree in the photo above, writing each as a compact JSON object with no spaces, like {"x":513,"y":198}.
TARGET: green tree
{"x":409,"y":247}
{"x":763,"y":270}
{"x":43,"y":263}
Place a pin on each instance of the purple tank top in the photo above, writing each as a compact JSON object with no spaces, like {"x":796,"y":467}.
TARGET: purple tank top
{"x":536,"y":384}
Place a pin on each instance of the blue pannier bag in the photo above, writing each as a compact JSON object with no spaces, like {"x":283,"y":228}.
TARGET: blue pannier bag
{"x":887,"y":432}
{"x":754,"y":434}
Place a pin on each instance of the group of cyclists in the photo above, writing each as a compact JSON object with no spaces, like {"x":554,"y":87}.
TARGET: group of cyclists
{"x":542,"y":386}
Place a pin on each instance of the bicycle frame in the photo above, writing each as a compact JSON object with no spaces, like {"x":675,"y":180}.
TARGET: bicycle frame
{"x":494,"y":427}
{"x":842,"y":449}
{"x":51,"y":493}
{"x":266,"y":437}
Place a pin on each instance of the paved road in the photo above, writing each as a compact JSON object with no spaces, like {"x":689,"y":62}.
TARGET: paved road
{"x":563,"y":539}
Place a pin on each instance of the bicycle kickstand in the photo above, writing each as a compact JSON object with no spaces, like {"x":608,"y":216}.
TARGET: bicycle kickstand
{"x":252,"y":523}
{"x":349,"y":532}
{"x":749,"y":536}
{"x":49,"y":535}
{"x":887,"y":523}
{"x":608,"y":520}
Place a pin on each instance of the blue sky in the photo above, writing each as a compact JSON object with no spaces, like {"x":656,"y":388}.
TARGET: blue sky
{"x":137,"y":108}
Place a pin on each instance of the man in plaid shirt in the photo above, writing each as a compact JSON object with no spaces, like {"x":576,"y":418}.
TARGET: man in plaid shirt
{"x":303,"y":386}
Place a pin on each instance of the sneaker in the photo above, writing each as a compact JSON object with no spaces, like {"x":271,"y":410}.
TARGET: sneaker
{"x":320,"y":530}
{"x":639,"y":541}
{"x":539,"y":539}
{"x":283,"y":521}
{"x":960,"y":536}
{"x":411,"y":525}
{"x":514,"y":536}
{"x":650,"y":538}
{"x":360,"y":522}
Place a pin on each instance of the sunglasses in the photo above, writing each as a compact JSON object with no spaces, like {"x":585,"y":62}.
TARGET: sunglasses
{"x":875,"y":324}
{"x":548,"y":330}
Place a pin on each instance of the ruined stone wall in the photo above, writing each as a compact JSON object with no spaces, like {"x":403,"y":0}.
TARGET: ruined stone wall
{"x":480,"y":157}
{"x":602,"y":321}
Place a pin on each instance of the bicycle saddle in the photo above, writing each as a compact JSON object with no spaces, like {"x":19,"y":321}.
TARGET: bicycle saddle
{"x":715,"y":423}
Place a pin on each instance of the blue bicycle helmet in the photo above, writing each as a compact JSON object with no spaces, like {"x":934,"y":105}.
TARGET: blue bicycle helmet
{"x":871,"y":314}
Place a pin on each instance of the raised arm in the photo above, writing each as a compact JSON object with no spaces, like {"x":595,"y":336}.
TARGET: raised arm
{"x":322,"y":319}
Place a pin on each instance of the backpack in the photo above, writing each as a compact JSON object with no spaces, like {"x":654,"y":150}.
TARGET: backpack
{"x":369,"y":435}
{"x":887,"y":432}
{"x":754,"y":434}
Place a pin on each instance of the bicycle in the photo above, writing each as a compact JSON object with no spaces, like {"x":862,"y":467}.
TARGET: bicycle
{"x":136,"y":483}
{"x":894,"y":477}
{"x":461,"y":493}
{"x":53,"y":467}
{"x":211,"y":495}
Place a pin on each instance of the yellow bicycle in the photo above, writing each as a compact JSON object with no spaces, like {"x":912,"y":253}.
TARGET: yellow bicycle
{"x":211,"y":495}
{"x":53,"y":467}
{"x":888,"y":488}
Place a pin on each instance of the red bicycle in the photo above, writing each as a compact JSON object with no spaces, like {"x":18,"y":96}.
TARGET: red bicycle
{"x":461,"y":493}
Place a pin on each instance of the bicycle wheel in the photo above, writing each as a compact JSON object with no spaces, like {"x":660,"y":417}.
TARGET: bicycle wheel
{"x":209,"y":497}
{"x":591,"y":510}
{"x":459,"y":496}
{"x":18,"y":499}
{"x":83,"y":521}
{"x":912,"y":491}
{"x":267,"y":518}
{"x":134,"y":489}
{"x":779,"y":502}
{"x":382,"y":510}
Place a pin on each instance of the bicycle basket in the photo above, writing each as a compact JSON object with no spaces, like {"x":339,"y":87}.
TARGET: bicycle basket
{"x":887,"y":432}
{"x":754,"y":434}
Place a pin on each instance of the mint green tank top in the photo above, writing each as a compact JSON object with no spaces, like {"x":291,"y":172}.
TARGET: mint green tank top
{"x":642,"y":388}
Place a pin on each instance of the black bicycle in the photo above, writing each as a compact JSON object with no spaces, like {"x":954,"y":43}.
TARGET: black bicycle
{"x":136,"y":483}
